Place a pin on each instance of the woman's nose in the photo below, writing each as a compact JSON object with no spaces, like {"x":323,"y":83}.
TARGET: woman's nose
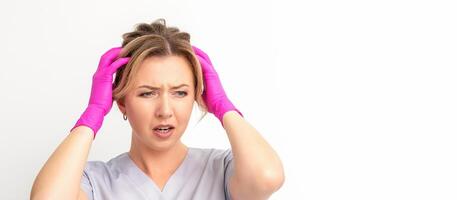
{"x":164,"y":108}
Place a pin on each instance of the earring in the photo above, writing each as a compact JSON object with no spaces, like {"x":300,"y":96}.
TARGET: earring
{"x":124,"y":116}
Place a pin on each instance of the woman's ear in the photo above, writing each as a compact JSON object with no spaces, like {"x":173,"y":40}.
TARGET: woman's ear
{"x":121,"y":105}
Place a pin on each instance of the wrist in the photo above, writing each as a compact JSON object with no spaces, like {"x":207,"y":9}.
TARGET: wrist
{"x":233,"y":110}
{"x":92,"y":117}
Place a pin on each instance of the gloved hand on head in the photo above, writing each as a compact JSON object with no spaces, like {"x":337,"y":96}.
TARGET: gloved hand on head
{"x":101,"y":98}
{"x":213,"y":94}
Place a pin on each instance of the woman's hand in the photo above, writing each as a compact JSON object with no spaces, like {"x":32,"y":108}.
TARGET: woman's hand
{"x":101,"y":97}
{"x":213,"y":94}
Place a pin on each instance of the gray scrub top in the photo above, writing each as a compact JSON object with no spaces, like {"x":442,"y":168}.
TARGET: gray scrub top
{"x":204,"y":174}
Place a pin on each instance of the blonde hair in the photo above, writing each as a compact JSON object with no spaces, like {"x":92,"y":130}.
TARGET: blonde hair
{"x":155,"y":39}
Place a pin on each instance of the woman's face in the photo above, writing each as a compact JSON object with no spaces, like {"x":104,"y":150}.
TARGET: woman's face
{"x":163,"y":93}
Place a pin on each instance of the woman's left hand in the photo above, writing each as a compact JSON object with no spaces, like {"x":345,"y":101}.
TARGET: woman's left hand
{"x":213,"y":94}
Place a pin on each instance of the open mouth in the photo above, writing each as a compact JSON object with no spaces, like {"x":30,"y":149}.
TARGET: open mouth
{"x":163,"y":131}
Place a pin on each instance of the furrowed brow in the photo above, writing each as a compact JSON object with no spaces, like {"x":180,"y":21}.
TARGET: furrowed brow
{"x":156,"y":88}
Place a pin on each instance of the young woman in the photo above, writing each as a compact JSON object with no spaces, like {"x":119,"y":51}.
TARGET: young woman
{"x":159,"y":77}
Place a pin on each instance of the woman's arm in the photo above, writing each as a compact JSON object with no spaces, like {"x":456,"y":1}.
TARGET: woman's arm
{"x":258,"y":171}
{"x":60,"y":177}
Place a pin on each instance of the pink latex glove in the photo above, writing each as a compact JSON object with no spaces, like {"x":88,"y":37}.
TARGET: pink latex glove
{"x":213,"y":94}
{"x":101,"y":97}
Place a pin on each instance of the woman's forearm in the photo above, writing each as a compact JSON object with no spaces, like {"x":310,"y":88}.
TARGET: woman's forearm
{"x":60,"y":176}
{"x":257,"y":167}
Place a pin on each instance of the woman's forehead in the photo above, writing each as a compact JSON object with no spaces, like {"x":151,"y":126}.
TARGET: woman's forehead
{"x":170,"y":71}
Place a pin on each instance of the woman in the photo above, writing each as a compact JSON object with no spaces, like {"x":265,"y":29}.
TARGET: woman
{"x":159,"y":76}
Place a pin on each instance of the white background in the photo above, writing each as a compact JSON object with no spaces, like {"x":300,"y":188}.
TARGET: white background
{"x":357,"y":97}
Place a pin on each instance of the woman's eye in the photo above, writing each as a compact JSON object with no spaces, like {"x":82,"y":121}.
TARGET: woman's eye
{"x":182,"y":93}
{"x":146,"y":94}
{"x":179,"y":93}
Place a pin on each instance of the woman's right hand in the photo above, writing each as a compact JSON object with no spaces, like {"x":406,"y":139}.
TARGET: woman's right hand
{"x":101,"y":97}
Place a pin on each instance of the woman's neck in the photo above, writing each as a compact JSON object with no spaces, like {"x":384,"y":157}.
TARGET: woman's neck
{"x":153,"y":162}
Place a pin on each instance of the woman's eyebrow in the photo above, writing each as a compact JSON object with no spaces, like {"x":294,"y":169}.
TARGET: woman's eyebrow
{"x":156,"y":88}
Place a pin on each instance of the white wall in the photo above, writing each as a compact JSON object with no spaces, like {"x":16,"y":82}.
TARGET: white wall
{"x":373,"y":112}
{"x":358,"y":98}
